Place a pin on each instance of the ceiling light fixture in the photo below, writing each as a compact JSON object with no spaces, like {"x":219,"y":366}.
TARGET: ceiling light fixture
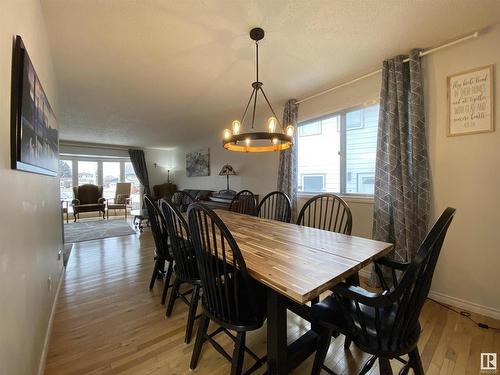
{"x":276,"y":138}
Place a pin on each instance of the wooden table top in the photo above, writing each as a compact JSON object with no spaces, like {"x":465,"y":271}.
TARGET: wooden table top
{"x":297,"y":261}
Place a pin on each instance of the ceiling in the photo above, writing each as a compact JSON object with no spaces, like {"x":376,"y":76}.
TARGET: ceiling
{"x":155,"y":73}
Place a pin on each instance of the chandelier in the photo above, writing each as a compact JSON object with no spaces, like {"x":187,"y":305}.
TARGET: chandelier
{"x":276,"y":137}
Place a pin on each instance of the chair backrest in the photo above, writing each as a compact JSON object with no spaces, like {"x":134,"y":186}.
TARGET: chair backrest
{"x":244,"y":203}
{"x":327,"y":212}
{"x":401,"y":325}
{"x":181,"y":200}
{"x":275,"y":206}
{"x":180,"y":242}
{"x":87,"y":193}
{"x":158,"y":228}
{"x":122,"y":190}
{"x":223,"y":273}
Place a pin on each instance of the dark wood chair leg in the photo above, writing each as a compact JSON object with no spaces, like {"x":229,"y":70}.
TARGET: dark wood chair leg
{"x":384,"y":366}
{"x":368,"y":365}
{"x":416,"y":362}
{"x":323,"y":345}
{"x":238,"y":354}
{"x":166,"y":283}
{"x":173,"y":296}
{"x":153,"y":277}
{"x":200,"y":339}
{"x":195,"y":295}
{"x":347,"y":343}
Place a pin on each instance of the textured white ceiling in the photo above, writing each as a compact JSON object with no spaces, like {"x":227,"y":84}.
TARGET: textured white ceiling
{"x":154,"y":73}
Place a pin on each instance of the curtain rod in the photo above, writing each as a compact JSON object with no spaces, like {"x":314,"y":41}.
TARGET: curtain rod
{"x":423,"y":53}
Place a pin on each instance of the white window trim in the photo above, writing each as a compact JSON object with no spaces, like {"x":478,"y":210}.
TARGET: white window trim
{"x":355,"y":198}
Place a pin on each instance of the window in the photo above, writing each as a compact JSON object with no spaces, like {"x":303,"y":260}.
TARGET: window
{"x":310,"y":129}
{"x":66,"y":179}
{"x":136,"y":185}
{"x":87,"y":172}
{"x":77,"y":170}
{"x":340,"y":157}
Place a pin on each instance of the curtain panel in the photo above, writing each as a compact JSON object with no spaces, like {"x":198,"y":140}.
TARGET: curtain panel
{"x":402,"y":183}
{"x":287,"y":169}
{"x":140,"y":168}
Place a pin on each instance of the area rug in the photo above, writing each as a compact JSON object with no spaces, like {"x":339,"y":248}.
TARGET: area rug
{"x":94,"y":230}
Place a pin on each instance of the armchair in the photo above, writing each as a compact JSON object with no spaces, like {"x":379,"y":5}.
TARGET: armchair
{"x":88,"y":198}
{"x":122,"y":198}
{"x":384,"y":324}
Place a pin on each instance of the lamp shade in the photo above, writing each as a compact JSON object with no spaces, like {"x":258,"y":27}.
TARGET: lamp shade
{"x":227,"y":170}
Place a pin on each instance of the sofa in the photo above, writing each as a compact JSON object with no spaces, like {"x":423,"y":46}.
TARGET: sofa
{"x":88,"y":198}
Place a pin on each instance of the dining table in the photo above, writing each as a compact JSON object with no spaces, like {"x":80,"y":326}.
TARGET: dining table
{"x":296,"y":264}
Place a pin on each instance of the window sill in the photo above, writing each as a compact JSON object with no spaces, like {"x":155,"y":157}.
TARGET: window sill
{"x":347,"y":197}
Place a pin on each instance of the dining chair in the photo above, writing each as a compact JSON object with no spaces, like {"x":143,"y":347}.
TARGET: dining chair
{"x":244,"y":202}
{"x":231,"y":298}
{"x":185,"y":267}
{"x":327,"y":212}
{"x":275,"y":206}
{"x":384,"y":324}
{"x":162,"y":252}
{"x":181,"y":200}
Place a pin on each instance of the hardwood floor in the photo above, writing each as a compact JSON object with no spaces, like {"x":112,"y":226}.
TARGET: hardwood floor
{"x":108,"y":322}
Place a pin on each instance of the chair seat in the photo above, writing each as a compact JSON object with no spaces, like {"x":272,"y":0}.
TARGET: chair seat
{"x":89,"y":207}
{"x":331,"y":313}
{"x":117,"y":206}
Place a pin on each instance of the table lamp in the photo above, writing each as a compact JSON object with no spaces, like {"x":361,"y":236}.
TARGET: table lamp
{"x":227,"y":170}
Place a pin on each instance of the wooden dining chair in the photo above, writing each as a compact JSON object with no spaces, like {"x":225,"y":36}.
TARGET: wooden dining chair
{"x":181,"y":200}
{"x":244,"y":202}
{"x":162,"y":247}
{"x":231,"y":298}
{"x":327,"y":212}
{"x":275,"y":206}
{"x":384,"y":324}
{"x":185,"y":267}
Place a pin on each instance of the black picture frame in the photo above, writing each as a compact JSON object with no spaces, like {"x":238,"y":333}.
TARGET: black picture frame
{"x":34,"y":128}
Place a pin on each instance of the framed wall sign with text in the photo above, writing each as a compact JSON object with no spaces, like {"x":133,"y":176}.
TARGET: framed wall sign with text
{"x":470,"y":101}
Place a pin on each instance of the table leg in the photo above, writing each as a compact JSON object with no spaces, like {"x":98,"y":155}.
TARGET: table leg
{"x":276,"y":333}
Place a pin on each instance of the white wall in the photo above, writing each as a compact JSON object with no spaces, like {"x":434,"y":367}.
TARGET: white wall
{"x":30,"y":233}
{"x":465,"y":174}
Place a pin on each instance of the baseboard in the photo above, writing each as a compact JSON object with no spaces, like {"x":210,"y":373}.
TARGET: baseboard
{"x":465,"y":305}
{"x":43,"y":358}
{"x":452,"y":301}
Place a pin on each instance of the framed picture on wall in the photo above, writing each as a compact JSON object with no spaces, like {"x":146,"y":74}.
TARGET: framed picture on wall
{"x":34,"y":129}
{"x":470,"y":102}
{"x":198,"y":163}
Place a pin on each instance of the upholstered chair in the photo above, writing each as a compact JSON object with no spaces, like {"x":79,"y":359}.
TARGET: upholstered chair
{"x":122,"y":200}
{"x":88,"y":198}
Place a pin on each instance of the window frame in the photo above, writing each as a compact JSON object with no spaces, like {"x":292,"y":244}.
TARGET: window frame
{"x":312,"y":134}
{"x":341,"y":114}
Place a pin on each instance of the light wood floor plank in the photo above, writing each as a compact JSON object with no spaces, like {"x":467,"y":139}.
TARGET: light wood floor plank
{"x":108,"y":322}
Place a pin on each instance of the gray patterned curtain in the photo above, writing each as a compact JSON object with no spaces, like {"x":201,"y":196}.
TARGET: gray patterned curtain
{"x":141,"y":170}
{"x":402,"y":183}
{"x":287,"y":170}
